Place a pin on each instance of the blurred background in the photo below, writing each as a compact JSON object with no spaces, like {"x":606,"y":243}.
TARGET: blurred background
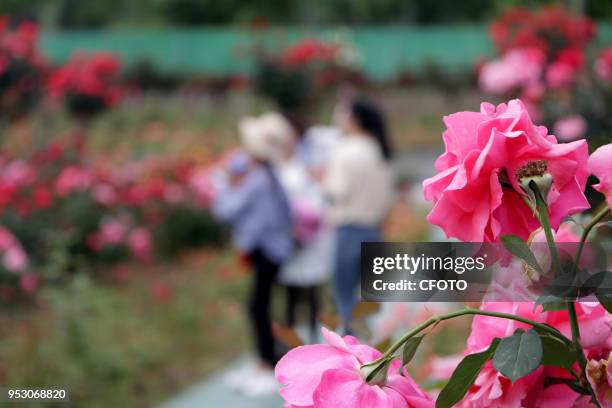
{"x":115,"y":280}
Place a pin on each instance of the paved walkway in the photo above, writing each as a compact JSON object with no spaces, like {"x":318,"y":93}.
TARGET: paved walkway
{"x":214,"y":393}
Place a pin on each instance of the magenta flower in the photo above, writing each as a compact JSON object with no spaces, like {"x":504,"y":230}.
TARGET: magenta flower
{"x":140,"y":244}
{"x":570,"y":127}
{"x":14,"y":258}
{"x":603,"y":65}
{"x":600,"y":167}
{"x":492,"y":389}
{"x":328,"y":376}
{"x":476,"y":193}
{"x":517,"y":68}
{"x":71,"y":179}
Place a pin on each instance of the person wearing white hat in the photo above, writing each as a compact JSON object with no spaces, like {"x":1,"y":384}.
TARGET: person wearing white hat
{"x":256,"y":206}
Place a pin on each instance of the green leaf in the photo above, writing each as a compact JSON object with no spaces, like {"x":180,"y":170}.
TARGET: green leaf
{"x":518,"y":355}
{"x":519,"y":248}
{"x":556,"y":353}
{"x":410,"y":349}
{"x":603,"y":288}
{"x":375,"y":373}
{"x":605,"y":301}
{"x":554,"y":306}
{"x":464,"y":376}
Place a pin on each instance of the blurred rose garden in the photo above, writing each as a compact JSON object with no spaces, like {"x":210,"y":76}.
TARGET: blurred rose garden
{"x":116,"y":280}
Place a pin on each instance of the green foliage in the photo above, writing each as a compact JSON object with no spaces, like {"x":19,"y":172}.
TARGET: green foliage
{"x":556,"y":353}
{"x":410,"y":349}
{"x":464,"y":376}
{"x":119,"y":346}
{"x":289,"y":88}
{"x":518,"y":355}
{"x":519,"y":248}
{"x":185,"y":227}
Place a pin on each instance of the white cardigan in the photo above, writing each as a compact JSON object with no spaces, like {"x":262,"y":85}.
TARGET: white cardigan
{"x":359,"y":182}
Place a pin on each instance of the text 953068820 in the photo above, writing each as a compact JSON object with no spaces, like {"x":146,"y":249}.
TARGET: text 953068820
{"x":33,"y":394}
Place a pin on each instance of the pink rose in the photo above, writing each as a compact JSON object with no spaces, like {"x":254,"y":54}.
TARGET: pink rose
{"x":519,"y":67}
{"x":603,"y":65}
{"x":570,"y":127}
{"x":29,"y":283}
{"x":559,"y":75}
{"x":476,"y":193}
{"x":491,"y":389}
{"x":328,"y":376}
{"x":112,"y":231}
{"x":72,"y":178}
{"x":15,"y":259}
{"x":600,"y":165}
{"x":203,"y":186}
{"x":139,"y":242}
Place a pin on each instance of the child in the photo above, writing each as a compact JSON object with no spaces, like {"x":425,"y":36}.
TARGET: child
{"x":255,"y":205}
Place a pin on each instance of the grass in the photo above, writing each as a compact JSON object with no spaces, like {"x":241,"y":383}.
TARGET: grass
{"x":133,"y":343}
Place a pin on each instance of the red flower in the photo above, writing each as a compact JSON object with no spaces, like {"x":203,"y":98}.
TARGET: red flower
{"x":42,"y":197}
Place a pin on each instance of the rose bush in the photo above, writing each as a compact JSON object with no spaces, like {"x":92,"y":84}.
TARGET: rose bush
{"x":501,"y":178}
{"x":62,"y":199}
{"x":543,"y":59}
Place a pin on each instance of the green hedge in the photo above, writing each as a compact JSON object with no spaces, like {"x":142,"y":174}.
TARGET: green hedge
{"x":385,"y":50}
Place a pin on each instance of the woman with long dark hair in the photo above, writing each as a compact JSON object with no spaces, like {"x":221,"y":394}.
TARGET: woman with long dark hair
{"x":359,"y":183}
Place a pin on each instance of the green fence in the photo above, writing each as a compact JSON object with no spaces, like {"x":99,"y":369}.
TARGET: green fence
{"x":384,"y":51}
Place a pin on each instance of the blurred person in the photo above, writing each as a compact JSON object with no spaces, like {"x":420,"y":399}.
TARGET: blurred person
{"x":311,"y":264}
{"x":256,"y":206}
{"x":359,"y":183}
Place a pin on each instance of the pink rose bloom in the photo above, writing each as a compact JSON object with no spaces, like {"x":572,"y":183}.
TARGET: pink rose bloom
{"x":600,"y":166}
{"x":173,"y":193}
{"x":203,"y":185}
{"x":491,"y":389}
{"x":560,"y":75}
{"x":476,"y":193}
{"x":29,"y":283}
{"x":594,"y":321}
{"x":517,"y":68}
{"x":7,"y":239}
{"x":139,"y":242}
{"x":72,"y":178}
{"x":570,"y":127}
{"x":603,"y":65}
{"x":15,"y":259}
{"x":105,"y":194}
{"x":328,"y":376}
{"x":18,"y":174}
{"x":599,"y":374}
{"x":112,"y":232}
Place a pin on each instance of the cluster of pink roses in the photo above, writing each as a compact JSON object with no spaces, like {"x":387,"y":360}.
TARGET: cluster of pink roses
{"x":479,"y":195}
{"x":492,"y":389}
{"x":105,"y":207}
{"x":543,"y":61}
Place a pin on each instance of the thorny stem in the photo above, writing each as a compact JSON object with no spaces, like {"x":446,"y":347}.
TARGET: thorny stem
{"x":437,"y":319}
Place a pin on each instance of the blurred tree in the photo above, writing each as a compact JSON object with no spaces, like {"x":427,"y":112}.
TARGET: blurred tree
{"x":104,"y":13}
